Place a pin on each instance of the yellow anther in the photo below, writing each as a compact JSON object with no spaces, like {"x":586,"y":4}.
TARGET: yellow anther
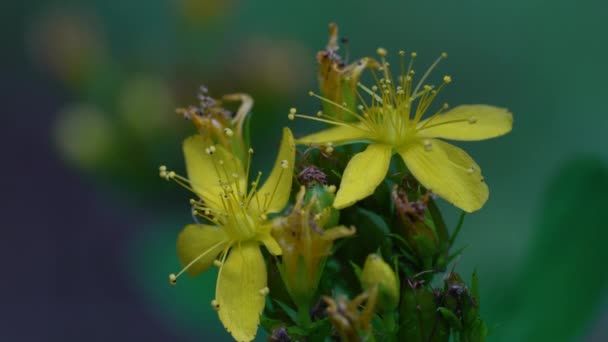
{"x":250,"y":151}
{"x":171,"y":174}
{"x":311,"y":93}
{"x":263,"y":217}
{"x":212,"y":149}
{"x":381,"y":52}
{"x":228,"y":132}
{"x":329,"y":149}
{"x":162,"y":168}
{"x":374,"y":88}
{"x":172,"y":279}
{"x":319,"y":113}
{"x":472,"y":119}
{"x":192,"y":201}
{"x":444,"y":55}
{"x":235,"y":175}
{"x":414,"y":54}
{"x":284,"y":164}
{"x":447,"y":79}
{"x":360,"y":107}
{"x":292,"y":110}
{"x":401,"y":53}
{"x":331,"y":189}
{"x":265,"y":291}
{"x":215,"y":305}
{"x":428,"y":145}
{"x":291,"y":116}
{"x":217,"y":263}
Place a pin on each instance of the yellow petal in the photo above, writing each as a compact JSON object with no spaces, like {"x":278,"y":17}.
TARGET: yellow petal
{"x":469,"y":122}
{"x":241,"y":281}
{"x":200,"y":244}
{"x":337,"y":232}
{"x":274,"y":194}
{"x":364,"y":172}
{"x":205,"y":173}
{"x":271,"y":244}
{"x":337,"y":135}
{"x":447,"y":171}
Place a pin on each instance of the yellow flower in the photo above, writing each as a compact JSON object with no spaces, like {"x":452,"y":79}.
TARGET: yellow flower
{"x":392,"y":122}
{"x":239,"y":226}
{"x":338,"y":81}
{"x":217,"y":123}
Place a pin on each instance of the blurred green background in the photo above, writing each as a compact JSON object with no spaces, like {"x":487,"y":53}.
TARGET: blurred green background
{"x":90,"y":89}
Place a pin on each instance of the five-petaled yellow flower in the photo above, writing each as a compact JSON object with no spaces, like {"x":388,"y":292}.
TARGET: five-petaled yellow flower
{"x":239,"y":226}
{"x":393,"y":123}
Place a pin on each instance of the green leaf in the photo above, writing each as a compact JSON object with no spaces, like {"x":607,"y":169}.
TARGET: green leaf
{"x":450,"y":317}
{"x":293,"y":315}
{"x":475,"y":287}
{"x":372,"y":231}
{"x":560,"y":285}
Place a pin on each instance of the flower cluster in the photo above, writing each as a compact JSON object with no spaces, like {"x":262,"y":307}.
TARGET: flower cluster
{"x":355,"y":240}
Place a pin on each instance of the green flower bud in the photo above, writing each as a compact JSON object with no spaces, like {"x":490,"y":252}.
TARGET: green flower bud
{"x":378,"y":273}
{"x":417,"y":229}
{"x":418,"y":315}
{"x":321,"y":197}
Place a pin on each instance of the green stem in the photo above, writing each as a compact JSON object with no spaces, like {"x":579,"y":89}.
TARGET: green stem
{"x":304,"y":316}
{"x":390,"y":328}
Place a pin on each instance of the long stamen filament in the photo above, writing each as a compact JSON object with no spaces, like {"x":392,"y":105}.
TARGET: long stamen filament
{"x":425,"y":125}
{"x":336,"y":104}
{"x":219,"y":274}
{"x":268,"y":199}
{"x":428,"y":71}
{"x":173,"y":277}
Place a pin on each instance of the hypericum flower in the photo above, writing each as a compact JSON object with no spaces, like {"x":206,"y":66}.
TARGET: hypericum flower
{"x":392,"y":122}
{"x":337,"y":80}
{"x":352,"y":318}
{"x":218,"y":124}
{"x":306,"y":237}
{"x":239,"y":226}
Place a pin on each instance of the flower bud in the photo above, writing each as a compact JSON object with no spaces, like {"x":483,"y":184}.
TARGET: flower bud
{"x":378,"y":273}
{"x":416,"y":229}
{"x":321,"y":199}
{"x":418,"y":318}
